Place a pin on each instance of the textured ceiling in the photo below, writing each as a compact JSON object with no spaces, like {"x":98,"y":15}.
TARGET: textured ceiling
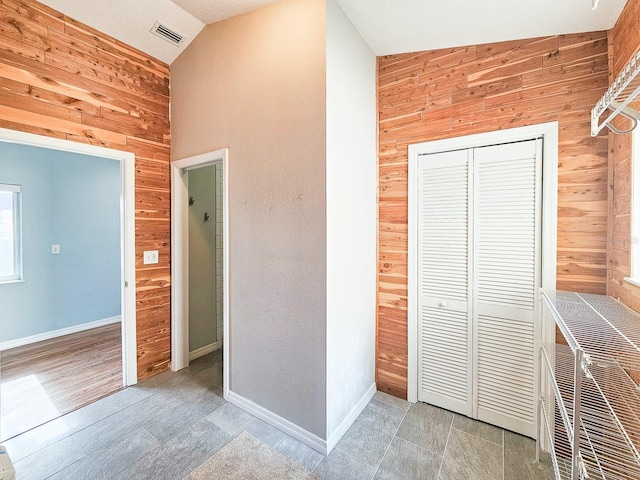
{"x":392,"y":26}
{"x":388,"y":26}
{"x":211,"y":11}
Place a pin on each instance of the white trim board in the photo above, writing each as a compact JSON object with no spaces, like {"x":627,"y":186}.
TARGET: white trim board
{"x":61,"y":332}
{"x":323,"y":446}
{"x":549,"y":133}
{"x":202,"y":351}
{"x":180,"y":259}
{"x":278,"y":422}
{"x":128,"y":279}
{"x":355,"y":412}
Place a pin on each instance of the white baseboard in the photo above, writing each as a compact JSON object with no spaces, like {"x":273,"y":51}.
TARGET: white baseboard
{"x":19,"y":342}
{"x":280,"y":423}
{"x":212,"y":347}
{"x":350,"y":418}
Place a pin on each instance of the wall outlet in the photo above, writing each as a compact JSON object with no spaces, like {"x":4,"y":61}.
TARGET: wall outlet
{"x":55,"y":249}
{"x":150,"y":256}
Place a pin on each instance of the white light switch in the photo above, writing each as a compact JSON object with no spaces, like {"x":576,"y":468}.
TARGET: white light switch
{"x":55,"y":249}
{"x":150,"y":256}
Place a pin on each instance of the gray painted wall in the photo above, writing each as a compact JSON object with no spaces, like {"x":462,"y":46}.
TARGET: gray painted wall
{"x":202,"y":258}
{"x":72,"y":200}
{"x":256,"y":84}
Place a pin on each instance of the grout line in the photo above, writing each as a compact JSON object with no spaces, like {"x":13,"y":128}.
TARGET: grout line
{"x":418,"y":446}
{"x":355,"y":458}
{"x":479,"y":437}
{"x":130,"y":466}
{"x":359,"y":461}
{"x":389,"y":405}
{"x":391,"y":441}
{"x":314,"y":467}
{"x":151,"y":434}
{"x":444,"y":452}
{"x":503,"y":455}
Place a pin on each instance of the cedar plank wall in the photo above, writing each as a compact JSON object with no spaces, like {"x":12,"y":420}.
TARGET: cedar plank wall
{"x":62,"y":79}
{"x":461,"y":91}
{"x":624,"y":41}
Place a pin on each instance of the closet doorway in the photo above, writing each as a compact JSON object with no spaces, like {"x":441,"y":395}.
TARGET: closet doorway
{"x":199,"y":240}
{"x":478,"y":213}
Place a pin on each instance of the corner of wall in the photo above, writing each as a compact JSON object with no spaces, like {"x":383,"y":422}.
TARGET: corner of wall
{"x":351,"y":220}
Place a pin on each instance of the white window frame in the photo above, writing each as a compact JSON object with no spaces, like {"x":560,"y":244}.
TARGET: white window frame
{"x":634,"y":239}
{"x":16,"y":190}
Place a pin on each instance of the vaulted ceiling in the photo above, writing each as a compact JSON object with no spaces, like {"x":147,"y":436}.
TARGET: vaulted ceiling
{"x":388,"y":26}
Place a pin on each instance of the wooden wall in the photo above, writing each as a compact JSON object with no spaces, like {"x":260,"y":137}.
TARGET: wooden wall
{"x":62,"y":79}
{"x":460,"y":91}
{"x":624,"y":42}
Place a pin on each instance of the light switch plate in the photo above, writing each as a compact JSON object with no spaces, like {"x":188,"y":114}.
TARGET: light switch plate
{"x":150,"y":257}
{"x":55,"y":249}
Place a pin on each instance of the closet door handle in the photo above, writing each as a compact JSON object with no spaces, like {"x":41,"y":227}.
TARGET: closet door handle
{"x":442,"y":304}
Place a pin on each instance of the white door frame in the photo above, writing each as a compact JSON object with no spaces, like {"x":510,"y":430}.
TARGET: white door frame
{"x":549,"y":133}
{"x":127,"y":234}
{"x":180,"y":258}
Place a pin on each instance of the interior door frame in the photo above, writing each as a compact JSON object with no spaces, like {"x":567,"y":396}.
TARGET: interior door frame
{"x":549,"y":133}
{"x":180,"y":258}
{"x":127,"y":232}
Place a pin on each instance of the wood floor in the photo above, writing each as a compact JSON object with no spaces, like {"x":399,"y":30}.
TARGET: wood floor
{"x":44,"y":380}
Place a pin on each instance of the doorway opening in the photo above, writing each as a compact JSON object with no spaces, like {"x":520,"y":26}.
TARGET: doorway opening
{"x":68,"y":322}
{"x":482,"y":187}
{"x":200,"y":279}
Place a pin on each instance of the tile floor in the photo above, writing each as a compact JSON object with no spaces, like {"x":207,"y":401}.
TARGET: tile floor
{"x":168,"y":425}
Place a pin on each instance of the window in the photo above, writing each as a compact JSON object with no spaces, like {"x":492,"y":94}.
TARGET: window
{"x":10,"y":233}
{"x":635,"y":207}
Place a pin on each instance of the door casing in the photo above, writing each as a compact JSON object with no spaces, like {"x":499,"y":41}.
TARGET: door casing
{"x":127,"y":234}
{"x":180,"y":259}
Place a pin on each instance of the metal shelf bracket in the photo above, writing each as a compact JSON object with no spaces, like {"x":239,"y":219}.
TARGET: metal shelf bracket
{"x":624,"y":90}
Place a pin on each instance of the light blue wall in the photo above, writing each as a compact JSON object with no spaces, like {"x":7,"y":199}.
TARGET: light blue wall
{"x":72,"y":200}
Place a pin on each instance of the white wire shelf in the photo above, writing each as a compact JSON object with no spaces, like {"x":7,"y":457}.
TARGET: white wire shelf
{"x":605,"y":333}
{"x":607,"y":330}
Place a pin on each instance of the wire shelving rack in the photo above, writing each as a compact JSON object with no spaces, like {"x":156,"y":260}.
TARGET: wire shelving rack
{"x":589,"y":408}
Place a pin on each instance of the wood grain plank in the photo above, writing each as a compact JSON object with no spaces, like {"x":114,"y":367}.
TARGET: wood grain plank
{"x":18,"y":89}
{"x":624,"y":37}
{"x":424,"y":63}
{"x":68,"y":126}
{"x":114,"y":47}
{"x":108,"y":94}
{"x":577,"y":47}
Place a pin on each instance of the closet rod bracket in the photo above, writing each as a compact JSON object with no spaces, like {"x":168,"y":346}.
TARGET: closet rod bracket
{"x":624,"y":90}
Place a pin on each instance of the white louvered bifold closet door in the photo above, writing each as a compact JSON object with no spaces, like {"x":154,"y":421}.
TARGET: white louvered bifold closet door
{"x":478,"y":280}
{"x":507,"y":258}
{"x":444,"y":335}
